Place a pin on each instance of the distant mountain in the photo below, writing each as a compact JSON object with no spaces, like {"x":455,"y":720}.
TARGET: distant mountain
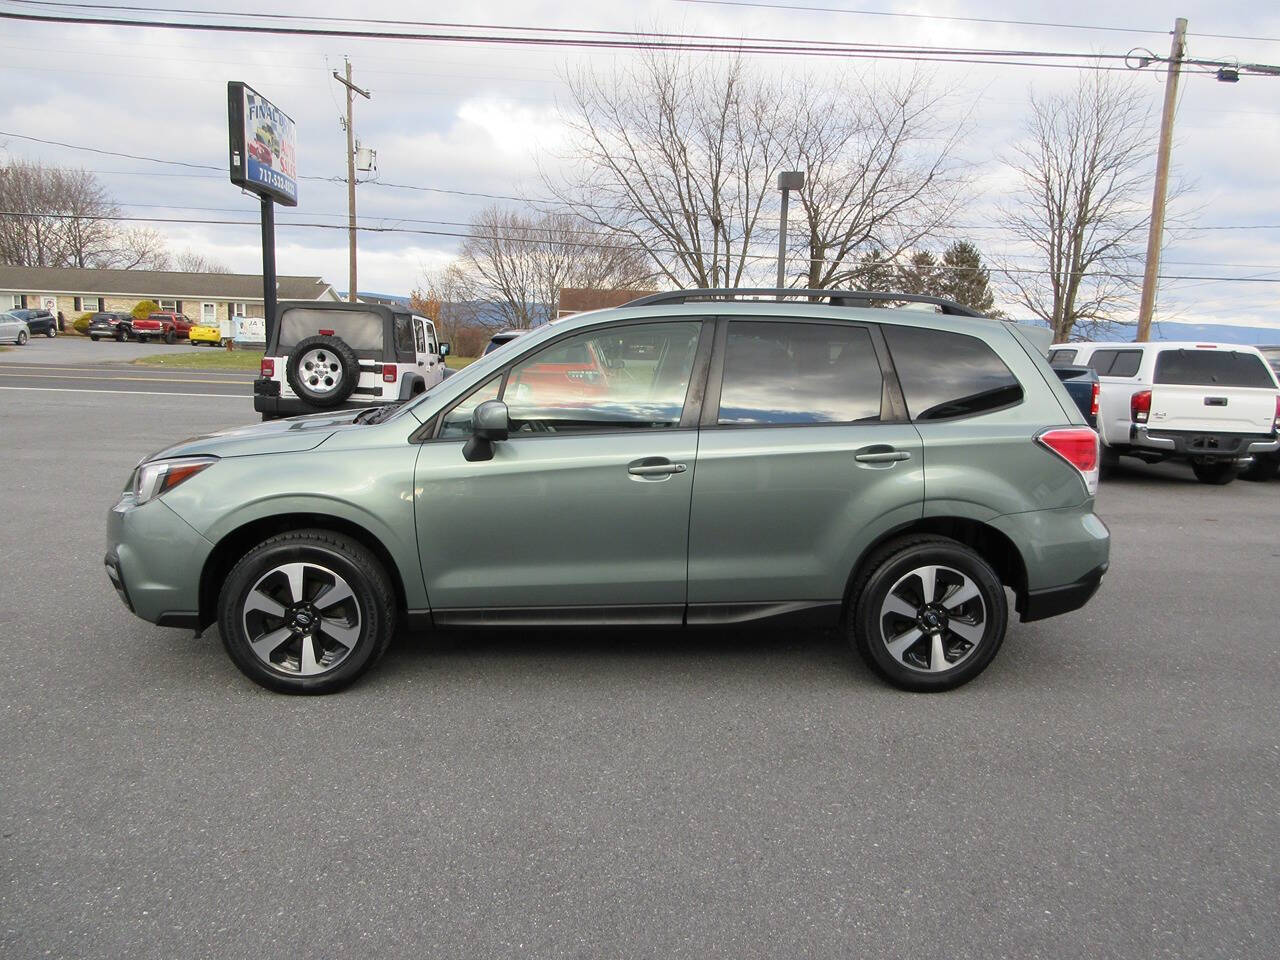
{"x":1204,"y":332}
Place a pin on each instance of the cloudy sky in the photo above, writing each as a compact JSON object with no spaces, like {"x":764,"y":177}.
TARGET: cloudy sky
{"x":459,"y":120}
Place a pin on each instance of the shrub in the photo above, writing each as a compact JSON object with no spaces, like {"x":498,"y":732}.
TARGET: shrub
{"x":81,"y":324}
{"x":144,"y":309}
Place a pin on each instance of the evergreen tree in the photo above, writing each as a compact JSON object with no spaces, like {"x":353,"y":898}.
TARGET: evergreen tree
{"x":920,"y":275}
{"x":874,"y":273}
{"x":964,"y":279}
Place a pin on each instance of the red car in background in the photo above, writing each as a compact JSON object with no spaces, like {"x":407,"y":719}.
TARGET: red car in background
{"x":167,"y":325}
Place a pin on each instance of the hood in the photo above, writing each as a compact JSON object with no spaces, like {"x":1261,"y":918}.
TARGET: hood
{"x":275,"y":436}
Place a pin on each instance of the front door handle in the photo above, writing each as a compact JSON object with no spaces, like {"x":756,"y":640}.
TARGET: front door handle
{"x":647,"y":468}
{"x":882,"y":456}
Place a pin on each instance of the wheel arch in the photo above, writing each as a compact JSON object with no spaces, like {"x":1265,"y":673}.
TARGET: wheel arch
{"x":239,"y":541}
{"x":989,"y":543}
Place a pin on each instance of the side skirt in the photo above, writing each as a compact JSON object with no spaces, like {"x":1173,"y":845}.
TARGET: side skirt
{"x":807,"y":614}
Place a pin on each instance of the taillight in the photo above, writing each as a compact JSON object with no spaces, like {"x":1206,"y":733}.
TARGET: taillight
{"x":1093,"y":401}
{"x":388,"y":373}
{"x":1079,"y":447}
{"x":268,"y":367}
{"x":1140,"y":406}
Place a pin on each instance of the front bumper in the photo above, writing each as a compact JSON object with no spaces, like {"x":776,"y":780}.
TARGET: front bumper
{"x":1218,"y":446}
{"x":154,"y":560}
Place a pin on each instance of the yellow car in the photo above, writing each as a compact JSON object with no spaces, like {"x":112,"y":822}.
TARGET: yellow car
{"x":201,"y":334}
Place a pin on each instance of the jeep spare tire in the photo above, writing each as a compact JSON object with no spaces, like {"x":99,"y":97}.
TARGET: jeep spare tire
{"x":323,"y":370}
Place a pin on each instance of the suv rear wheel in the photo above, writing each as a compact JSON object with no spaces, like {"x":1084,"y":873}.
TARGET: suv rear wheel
{"x":323,"y":370}
{"x":928,"y":614}
{"x":306,"y":612}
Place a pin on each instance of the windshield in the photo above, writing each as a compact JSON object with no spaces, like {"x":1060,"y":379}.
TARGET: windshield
{"x":362,"y":330}
{"x":1212,"y":368}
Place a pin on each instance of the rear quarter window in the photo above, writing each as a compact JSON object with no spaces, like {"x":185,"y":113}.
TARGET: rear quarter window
{"x":1116,"y":363}
{"x":1212,"y":368}
{"x":946,"y":375}
{"x":1062,"y":358}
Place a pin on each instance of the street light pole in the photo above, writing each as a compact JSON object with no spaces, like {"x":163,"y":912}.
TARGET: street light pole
{"x":351,"y":179}
{"x":787,"y":181}
{"x":1155,"y":232}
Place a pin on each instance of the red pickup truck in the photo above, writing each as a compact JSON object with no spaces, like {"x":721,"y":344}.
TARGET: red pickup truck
{"x":166,"y":325}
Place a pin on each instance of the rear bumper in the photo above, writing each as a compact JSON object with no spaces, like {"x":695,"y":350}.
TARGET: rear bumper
{"x":267,"y":401}
{"x":1064,"y":554}
{"x":1221,"y":446}
{"x":1041,"y":604}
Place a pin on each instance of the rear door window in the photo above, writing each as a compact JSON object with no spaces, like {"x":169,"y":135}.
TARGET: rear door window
{"x":1062,"y":358}
{"x":1211,"y":368}
{"x":946,"y":375}
{"x":362,"y":330}
{"x":779,"y":372}
{"x":1116,"y":363}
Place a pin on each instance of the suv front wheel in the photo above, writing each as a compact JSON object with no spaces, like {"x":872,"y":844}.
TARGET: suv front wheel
{"x":928,"y":613}
{"x":306,"y":612}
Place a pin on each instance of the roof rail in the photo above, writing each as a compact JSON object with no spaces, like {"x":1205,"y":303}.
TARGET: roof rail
{"x":836,"y":298}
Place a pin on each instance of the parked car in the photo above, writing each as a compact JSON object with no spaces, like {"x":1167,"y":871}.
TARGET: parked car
{"x":1266,"y":466}
{"x":336,"y":356}
{"x":117,"y":326}
{"x":1083,"y":385}
{"x":1215,"y":405}
{"x":890,"y":471}
{"x":38,"y":321}
{"x":199,"y":333}
{"x":165,"y":325}
{"x":501,"y":339}
{"x":13,"y":329}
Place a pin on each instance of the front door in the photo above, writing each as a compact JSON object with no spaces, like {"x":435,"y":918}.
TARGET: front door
{"x":805,"y":458}
{"x":208,"y":314}
{"x":582,"y":514}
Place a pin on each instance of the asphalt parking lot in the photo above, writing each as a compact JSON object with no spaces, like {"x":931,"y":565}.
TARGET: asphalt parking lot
{"x":1107,"y":788}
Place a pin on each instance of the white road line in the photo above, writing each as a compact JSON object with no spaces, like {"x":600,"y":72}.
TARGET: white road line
{"x":63,"y":376}
{"x":130,"y":393}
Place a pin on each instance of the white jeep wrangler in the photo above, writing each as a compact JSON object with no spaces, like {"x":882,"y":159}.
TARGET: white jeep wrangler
{"x":340,"y":356}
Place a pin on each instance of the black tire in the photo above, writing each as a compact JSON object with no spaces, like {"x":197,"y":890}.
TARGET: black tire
{"x":93,"y":338}
{"x":51,"y":332}
{"x":371,"y":593}
{"x":1265,"y":466}
{"x":22,"y":338}
{"x":121,"y":335}
{"x":337,"y":353}
{"x":892,"y":566}
{"x":1215,"y":472}
{"x":170,"y":337}
{"x":143,"y":338}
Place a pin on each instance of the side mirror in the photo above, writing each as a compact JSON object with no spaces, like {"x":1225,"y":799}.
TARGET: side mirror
{"x":444,"y":350}
{"x":489,"y":422}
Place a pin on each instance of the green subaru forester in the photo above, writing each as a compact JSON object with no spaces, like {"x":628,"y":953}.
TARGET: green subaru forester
{"x":691,"y":459}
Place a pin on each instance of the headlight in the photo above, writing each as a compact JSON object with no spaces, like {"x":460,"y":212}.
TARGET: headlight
{"x":160,"y":476}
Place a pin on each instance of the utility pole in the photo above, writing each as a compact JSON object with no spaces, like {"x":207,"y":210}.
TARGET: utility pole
{"x":788,"y":180}
{"x":1155,"y":232}
{"x":351,"y":178}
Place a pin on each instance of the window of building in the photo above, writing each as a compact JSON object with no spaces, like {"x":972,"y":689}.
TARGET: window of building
{"x":796,"y":373}
{"x":631,"y":377}
{"x":13,"y":301}
{"x":169,"y":305}
{"x":239,"y":309}
{"x":946,"y":375}
{"x":88,"y":304}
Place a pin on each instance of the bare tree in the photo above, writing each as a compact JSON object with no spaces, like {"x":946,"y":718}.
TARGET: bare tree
{"x":189,"y":261}
{"x":31,"y":231}
{"x":880,"y":168}
{"x":520,"y":262}
{"x":1084,"y":174}
{"x":140,"y":248}
{"x":676,"y":156}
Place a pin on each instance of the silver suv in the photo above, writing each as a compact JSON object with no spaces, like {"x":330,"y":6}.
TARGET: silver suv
{"x":691,"y":459}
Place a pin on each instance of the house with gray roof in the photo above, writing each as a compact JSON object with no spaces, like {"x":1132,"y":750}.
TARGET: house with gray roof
{"x":204,"y":297}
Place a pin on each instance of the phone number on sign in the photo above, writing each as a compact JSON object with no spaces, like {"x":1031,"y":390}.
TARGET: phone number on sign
{"x":277,"y":181}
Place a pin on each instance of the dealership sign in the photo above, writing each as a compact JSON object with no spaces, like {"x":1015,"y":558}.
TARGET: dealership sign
{"x":263,"y":144}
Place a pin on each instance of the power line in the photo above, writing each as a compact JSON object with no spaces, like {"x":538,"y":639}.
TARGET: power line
{"x":575,"y":243}
{"x":957,"y":19}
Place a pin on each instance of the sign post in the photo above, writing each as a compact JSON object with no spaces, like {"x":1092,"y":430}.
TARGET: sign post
{"x":263,"y":142}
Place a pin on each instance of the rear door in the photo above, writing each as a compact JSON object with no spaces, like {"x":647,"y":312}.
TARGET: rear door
{"x":805,"y":455}
{"x":1212,"y":390}
{"x":1118,"y":379}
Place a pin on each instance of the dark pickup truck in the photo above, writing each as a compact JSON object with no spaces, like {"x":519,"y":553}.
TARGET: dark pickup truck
{"x":1082,"y":384}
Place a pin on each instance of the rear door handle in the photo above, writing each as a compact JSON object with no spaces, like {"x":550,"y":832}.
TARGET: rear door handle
{"x":882,"y":456}
{"x":647,"y":468}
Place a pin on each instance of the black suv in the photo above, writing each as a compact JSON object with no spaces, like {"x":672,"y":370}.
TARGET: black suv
{"x":108,"y":323}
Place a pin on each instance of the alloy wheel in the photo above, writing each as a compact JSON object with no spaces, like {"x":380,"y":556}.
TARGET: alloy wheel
{"x":301,"y":619}
{"x":933,"y":619}
{"x":320,"y":370}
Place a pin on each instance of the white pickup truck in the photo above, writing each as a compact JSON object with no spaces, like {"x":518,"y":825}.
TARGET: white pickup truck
{"x":1216,"y":405}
